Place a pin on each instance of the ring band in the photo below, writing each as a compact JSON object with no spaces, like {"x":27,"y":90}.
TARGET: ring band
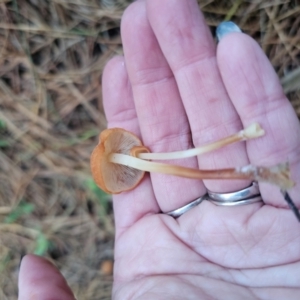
{"x":180,"y":211}
{"x":245,"y":196}
{"x":249,"y":192}
{"x":238,"y":203}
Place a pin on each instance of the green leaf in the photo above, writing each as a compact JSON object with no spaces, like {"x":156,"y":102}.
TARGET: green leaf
{"x":4,"y":143}
{"x":88,"y":134}
{"x":92,"y":186}
{"x":2,"y":124}
{"x":101,"y":197}
{"x":22,"y":209}
{"x":42,"y":245}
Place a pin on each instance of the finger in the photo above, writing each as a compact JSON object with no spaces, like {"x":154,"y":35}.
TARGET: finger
{"x":161,"y":115}
{"x":117,"y":96}
{"x":120,"y":112}
{"x":257,"y":95}
{"x":190,"y":50}
{"x":40,"y":279}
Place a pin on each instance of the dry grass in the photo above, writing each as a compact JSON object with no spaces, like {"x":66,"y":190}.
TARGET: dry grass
{"x":52,"y":54}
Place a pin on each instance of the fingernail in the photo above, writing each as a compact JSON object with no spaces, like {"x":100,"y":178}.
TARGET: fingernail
{"x":225,"y":28}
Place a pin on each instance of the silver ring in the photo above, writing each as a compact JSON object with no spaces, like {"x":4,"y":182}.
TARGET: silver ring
{"x":245,"y":196}
{"x":180,"y":211}
{"x":249,"y":192}
{"x":237,"y":203}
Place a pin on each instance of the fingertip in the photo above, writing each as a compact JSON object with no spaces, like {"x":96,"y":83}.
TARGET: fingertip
{"x":117,"y":95}
{"x":234,"y":45}
{"x":34,"y":259}
{"x":40,"y":279}
{"x":181,"y":31}
{"x":239,"y":55}
{"x":114,"y":72}
{"x":130,"y":18}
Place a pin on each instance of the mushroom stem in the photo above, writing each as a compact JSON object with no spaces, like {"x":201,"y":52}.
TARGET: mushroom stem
{"x":252,"y":131}
{"x":278,"y":175}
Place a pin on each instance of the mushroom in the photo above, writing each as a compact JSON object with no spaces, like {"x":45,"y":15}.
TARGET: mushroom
{"x":119,"y":161}
{"x":111,"y":177}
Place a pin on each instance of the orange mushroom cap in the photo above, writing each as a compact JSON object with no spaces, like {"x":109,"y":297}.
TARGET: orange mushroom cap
{"x":110,"y":177}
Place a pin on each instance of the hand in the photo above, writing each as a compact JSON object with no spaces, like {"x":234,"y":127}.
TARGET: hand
{"x":175,"y":89}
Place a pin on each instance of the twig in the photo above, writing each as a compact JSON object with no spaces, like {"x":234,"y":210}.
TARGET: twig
{"x":291,"y":204}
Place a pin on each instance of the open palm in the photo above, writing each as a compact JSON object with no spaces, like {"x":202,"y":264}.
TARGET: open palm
{"x":174,"y":88}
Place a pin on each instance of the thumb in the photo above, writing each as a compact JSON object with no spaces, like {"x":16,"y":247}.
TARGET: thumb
{"x":40,"y":279}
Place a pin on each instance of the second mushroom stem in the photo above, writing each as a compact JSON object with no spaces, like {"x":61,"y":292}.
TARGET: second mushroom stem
{"x":252,"y":131}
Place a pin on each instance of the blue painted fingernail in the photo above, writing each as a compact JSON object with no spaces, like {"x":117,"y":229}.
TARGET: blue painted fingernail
{"x":225,"y":28}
